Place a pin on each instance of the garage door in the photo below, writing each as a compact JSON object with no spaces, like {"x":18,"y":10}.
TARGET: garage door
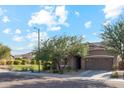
{"x":99,"y":63}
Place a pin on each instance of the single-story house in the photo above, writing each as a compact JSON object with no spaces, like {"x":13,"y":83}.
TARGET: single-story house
{"x":98,"y":58}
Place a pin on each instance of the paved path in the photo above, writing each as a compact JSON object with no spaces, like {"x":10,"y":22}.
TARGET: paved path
{"x":41,"y":80}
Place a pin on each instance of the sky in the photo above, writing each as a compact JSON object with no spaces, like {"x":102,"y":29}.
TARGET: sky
{"x":17,"y":23}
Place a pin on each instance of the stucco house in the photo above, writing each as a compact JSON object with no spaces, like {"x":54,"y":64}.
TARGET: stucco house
{"x":98,"y":58}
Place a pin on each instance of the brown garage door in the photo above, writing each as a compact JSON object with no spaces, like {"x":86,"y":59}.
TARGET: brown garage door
{"x":99,"y":63}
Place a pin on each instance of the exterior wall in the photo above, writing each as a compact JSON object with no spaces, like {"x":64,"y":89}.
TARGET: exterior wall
{"x":100,"y":59}
{"x":99,"y":52}
{"x":71,"y":62}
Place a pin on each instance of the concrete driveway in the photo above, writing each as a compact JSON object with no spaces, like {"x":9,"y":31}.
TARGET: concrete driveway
{"x":94,"y":74}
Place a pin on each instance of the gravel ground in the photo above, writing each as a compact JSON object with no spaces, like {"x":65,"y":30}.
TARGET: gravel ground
{"x":25,"y":81}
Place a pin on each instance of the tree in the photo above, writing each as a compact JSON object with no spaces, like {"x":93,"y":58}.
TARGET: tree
{"x":4,"y":52}
{"x":59,"y":49}
{"x":113,"y":37}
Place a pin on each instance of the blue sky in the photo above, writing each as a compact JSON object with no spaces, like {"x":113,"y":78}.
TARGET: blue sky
{"x":17,"y":23}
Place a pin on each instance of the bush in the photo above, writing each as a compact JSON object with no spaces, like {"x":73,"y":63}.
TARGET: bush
{"x":33,"y":61}
{"x":24,"y":61}
{"x":121,"y":65}
{"x":3,"y":62}
{"x":114,"y":75}
{"x":114,"y":67}
{"x":17,"y":62}
{"x":46,"y":65}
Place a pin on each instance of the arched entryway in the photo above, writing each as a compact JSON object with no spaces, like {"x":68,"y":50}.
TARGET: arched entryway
{"x":78,"y":62}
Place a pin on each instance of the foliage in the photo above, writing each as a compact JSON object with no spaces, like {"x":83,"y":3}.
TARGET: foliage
{"x":24,"y":61}
{"x":17,"y":62}
{"x":114,"y":75}
{"x":113,"y":37}
{"x":115,"y":67}
{"x":46,"y":65}
{"x":59,"y":49}
{"x":33,"y":61}
{"x":3,"y":62}
{"x":4,"y":52}
{"x":25,"y":67}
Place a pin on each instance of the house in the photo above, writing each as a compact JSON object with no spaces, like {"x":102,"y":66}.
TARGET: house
{"x":98,"y":58}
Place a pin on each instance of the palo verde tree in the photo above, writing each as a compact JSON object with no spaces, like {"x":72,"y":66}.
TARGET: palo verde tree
{"x":59,"y":49}
{"x":113,"y":37}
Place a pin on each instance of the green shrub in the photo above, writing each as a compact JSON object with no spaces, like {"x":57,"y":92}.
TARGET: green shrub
{"x":114,"y":75}
{"x":17,"y":62}
{"x":33,"y":61}
{"x":3,"y":62}
{"x":25,"y":61}
{"x":114,"y":67}
{"x":46,"y":65}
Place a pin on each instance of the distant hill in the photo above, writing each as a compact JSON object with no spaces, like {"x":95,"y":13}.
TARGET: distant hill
{"x":28,"y":56}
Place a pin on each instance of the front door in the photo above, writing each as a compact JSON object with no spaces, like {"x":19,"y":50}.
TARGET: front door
{"x":78,"y":62}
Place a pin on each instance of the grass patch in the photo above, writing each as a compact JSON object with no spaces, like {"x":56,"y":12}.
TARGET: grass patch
{"x":25,"y":67}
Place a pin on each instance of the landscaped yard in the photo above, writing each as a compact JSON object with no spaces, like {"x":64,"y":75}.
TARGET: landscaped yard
{"x":25,"y":67}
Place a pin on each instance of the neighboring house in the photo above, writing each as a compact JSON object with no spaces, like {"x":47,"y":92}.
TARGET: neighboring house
{"x":98,"y":58}
{"x":28,"y":56}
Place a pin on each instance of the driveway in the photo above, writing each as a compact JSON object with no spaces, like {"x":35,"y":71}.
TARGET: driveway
{"x":94,"y":74}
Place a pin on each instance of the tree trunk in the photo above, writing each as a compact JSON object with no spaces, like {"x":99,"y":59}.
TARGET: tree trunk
{"x":59,"y":67}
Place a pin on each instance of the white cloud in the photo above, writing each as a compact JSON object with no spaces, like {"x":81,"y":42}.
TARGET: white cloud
{"x":18,"y":31}
{"x":5,"y":19}
{"x":77,"y":13}
{"x":7,"y":31}
{"x":52,"y":17}
{"x":88,"y":24}
{"x":34,"y":36}
{"x":113,"y":11}
{"x":56,"y":28}
{"x":17,"y":38}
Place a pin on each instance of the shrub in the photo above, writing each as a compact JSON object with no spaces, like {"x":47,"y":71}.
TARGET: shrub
{"x":17,"y":62}
{"x":24,"y":61}
{"x":114,"y":75}
{"x":121,"y":65}
{"x":3,"y":62}
{"x":114,"y":67}
{"x":33,"y":61}
{"x":46,"y":65}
